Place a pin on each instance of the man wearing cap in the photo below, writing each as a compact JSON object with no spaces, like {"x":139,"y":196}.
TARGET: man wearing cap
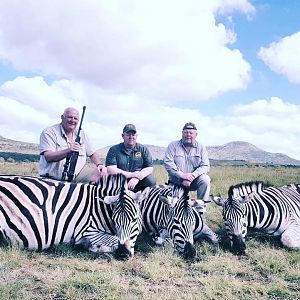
{"x":187,"y":163}
{"x":132,"y":160}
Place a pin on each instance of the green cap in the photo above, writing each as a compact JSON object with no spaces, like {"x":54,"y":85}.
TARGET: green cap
{"x":129,"y":127}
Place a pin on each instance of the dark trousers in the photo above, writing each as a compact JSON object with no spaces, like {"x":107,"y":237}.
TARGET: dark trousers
{"x":148,"y":181}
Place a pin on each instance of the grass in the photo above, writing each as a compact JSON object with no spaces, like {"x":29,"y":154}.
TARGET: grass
{"x":268,"y":271}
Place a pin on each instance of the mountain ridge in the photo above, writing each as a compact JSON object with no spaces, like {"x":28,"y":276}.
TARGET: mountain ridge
{"x":232,"y":151}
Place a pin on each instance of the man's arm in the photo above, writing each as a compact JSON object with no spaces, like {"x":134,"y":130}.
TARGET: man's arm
{"x":54,"y":156}
{"x":143,"y":173}
{"x":48,"y":144}
{"x":111,"y":164}
{"x":95,"y":158}
{"x":115,"y":170}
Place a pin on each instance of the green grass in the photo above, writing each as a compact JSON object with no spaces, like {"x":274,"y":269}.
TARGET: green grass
{"x":268,"y":271}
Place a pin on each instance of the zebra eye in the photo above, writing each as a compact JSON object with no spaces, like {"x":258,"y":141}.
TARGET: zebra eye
{"x":244,"y":224}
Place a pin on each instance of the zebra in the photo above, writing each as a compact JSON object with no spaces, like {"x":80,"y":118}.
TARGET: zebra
{"x":275,"y":211}
{"x":38,"y":213}
{"x":168,"y":213}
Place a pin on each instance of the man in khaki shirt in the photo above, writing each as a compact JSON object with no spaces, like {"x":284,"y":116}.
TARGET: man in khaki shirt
{"x":57,"y":141}
{"x":187,"y":163}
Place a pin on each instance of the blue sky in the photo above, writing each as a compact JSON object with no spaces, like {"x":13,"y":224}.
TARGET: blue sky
{"x":230,"y":66}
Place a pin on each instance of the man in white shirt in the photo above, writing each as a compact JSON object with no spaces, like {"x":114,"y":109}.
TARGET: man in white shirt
{"x":57,"y":141}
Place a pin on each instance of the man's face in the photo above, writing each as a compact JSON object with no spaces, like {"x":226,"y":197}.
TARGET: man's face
{"x":129,"y":139}
{"x":189,"y":136}
{"x":70,"y":120}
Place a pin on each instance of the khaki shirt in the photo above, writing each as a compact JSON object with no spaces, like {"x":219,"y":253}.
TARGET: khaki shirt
{"x":54,"y":138}
{"x":178,"y":161}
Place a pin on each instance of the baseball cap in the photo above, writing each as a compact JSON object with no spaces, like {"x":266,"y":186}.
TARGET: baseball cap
{"x":129,"y":127}
{"x":189,"y":125}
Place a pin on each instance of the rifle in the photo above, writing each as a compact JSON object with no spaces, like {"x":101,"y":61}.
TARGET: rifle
{"x":72,"y":157}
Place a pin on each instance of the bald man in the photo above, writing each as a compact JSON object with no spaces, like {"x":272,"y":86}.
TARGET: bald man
{"x":57,"y":141}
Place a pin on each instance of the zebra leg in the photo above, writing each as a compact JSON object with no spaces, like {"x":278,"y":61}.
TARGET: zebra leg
{"x":210,"y":235}
{"x":97,"y":242}
{"x":204,"y":232}
{"x":291,"y":237}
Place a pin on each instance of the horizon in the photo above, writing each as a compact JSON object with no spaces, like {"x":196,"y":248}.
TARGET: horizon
{"x":207,"y":146}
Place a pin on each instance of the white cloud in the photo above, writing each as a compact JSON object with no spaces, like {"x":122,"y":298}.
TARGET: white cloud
{"x":266,"y":123}
{"x":283,"y":58}
{"x":167,"y":50}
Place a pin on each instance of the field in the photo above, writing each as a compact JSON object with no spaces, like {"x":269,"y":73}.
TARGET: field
{"x":268,"y":271}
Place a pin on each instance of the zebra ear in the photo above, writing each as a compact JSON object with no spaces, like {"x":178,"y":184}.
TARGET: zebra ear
{"x":168,"y":200}
{"x":145,"y":193}
{"x":140,"y":195}
{"x":110,"y":199}
{"x":196,"y":203}
{"x":247,"y":198}
{"x":218,"y":200}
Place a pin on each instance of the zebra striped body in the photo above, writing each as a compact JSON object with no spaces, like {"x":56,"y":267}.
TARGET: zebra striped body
{"x":272,"y":210}
{"x":168,"y":213}
{"x":38,"y":213}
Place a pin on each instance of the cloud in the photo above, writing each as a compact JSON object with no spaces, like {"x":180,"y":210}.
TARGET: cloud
{"x":165,"y":50}
{"x":283,"y":58}
{"x":133,"y":63}
{"x":266,"y":123}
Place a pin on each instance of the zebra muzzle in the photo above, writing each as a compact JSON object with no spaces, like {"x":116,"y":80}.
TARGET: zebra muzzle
{"x":238,"y":245}
{"x":124,"y":251}
{"x":189,"y":251}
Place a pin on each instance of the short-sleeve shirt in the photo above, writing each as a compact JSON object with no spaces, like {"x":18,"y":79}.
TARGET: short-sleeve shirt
{"x":132,"y":160}
{"x":54,"y":138}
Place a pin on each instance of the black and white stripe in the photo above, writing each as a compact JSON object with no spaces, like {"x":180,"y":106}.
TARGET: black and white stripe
{"x":38,"y":213}
{"x":272,"y":210}
{"x":168,"y":213}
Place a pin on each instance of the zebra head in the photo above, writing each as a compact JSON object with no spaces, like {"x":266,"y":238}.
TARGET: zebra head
{"x":181,"y":221}
{"x":235,"y":213}
{"x":127,"y":219}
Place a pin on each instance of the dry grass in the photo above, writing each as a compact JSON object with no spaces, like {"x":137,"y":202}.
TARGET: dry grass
{"x":268,"y":271}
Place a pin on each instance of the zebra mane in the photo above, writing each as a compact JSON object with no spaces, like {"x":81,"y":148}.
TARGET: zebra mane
{"x":110,"y":185}
{"x":179,"y":191}
{"x":182,"y":193}
{"x":246,"y":188}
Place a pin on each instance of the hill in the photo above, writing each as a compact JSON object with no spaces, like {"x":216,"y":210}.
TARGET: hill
{"x":231,"y":153}
{"x":247,"y":152}
{"x":7,"y":145}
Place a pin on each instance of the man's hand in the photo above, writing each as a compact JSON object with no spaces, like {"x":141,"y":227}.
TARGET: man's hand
{"x":75,"y":147}
{"x":102,"y":170}
{"x":186,"y":183}
{"x":132,"y":183}
{"x":188,"y":176}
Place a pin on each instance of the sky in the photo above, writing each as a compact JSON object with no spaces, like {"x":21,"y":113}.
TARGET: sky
{"x":230,"y":66}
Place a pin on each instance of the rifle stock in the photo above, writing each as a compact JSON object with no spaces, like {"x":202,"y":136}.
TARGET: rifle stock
{"x":72,"y":157}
